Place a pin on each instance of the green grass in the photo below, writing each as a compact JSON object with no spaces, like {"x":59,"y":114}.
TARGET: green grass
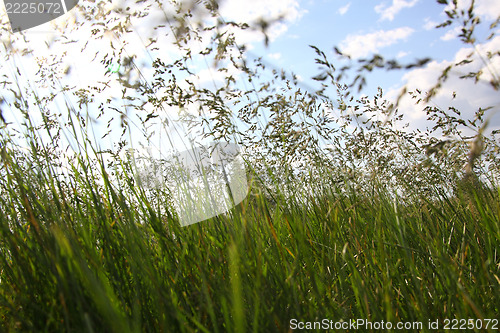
{"x":80,"y":254}
{"x":383,"y":227}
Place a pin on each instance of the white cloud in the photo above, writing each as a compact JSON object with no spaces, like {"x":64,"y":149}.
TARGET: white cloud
{"x":389,"y":12}
{"x":469,"y":95}
{"x":429,"y":24}
{"x":451,"y":34}
{"x":362,"y":45}
{"x":275,"y":56}
{"x":402,"y":54}
{"x":489,"y":9}
{"x":251,"y":11}
{"x":342,"y":10}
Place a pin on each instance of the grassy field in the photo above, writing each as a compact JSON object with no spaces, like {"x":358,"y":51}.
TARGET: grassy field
{"x":81,"y":254}
{"x":349,"y":215}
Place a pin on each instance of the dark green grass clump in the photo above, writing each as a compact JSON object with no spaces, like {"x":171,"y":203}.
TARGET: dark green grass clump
{"x":80,"y":254}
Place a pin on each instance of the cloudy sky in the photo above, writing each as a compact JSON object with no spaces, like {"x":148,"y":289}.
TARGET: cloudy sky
{"x":399,"y":29}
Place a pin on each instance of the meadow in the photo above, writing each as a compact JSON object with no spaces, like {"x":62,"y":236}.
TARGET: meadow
{"x":375,"y":223}
{"x":81,"y":253}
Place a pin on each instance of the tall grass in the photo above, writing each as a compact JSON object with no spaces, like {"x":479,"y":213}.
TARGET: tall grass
{"x":82,"y":253}
{"x":374,"y":223}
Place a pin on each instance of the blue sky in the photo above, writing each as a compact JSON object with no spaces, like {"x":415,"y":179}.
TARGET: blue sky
{"x":357,"y":29}
{"x":401,"y":29}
